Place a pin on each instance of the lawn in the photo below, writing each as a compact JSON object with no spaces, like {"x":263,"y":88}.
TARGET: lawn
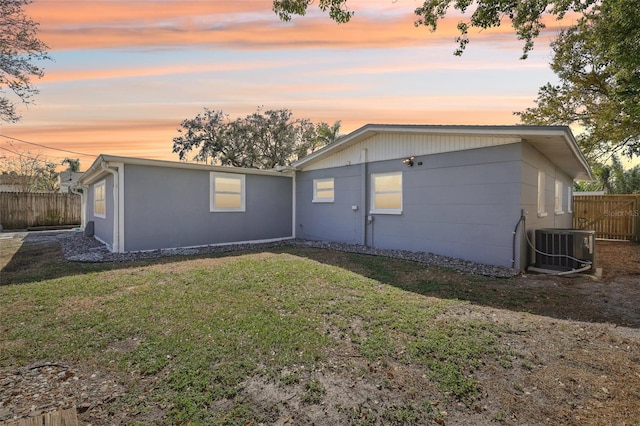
{"x":295,"y":336}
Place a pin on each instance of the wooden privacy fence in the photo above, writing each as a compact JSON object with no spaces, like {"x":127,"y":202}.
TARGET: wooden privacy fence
{"x":615,"y":217}
{"x":21,"y":210}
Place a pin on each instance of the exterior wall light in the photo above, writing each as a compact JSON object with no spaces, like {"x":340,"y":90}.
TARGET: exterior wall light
{"x":408,"y":161}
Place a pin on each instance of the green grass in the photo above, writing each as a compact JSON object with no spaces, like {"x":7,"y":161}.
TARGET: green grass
{"x":205,"y":326}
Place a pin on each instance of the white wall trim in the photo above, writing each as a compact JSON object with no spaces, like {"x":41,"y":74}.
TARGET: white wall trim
{"x":121,"y":194}
{"x":294,"y":219}
{"x":212,"y":192}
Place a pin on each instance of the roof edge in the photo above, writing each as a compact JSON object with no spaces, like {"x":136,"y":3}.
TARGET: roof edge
{"x":95,"y":169}
{"x":369,"y":130}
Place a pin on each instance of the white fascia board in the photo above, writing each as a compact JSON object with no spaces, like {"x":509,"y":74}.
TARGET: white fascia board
{"x":192,"y":166}
{"x":95,"y":171}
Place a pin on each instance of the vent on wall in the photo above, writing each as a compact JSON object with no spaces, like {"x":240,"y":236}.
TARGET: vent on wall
{"x":564,"y":249}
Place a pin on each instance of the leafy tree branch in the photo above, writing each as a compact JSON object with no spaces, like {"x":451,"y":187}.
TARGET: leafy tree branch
{"x":263,"y":139}
{"x":525,"y":16}
{"x":20,"y":50}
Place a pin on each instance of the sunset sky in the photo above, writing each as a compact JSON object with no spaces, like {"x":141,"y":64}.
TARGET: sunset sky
{"x":126,"y":73}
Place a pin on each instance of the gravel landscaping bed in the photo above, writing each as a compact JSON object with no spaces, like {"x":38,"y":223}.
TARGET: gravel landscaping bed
{"x":78,"y":248}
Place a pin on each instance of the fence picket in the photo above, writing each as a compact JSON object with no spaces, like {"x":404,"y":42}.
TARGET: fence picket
{"x":615,"y":217}
{"x":20,"y":210}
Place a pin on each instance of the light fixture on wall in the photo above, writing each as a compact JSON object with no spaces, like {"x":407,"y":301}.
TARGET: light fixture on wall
{"x":408,"y":161}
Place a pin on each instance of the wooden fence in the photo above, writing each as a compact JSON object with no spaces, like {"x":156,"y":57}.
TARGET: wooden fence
{"x":21,"y":210}
{"x":615,"y":217}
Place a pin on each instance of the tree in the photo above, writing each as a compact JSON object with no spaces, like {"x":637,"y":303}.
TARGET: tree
{"x":328,"y":134}
{"x":613,"y":179}
{"x":262,"y":140}
{"x":20,"y":49}
{"x":73,"y":164}
{"x":525,"y":15}
{"x":30,"y":172}
{"x":599,"y":88}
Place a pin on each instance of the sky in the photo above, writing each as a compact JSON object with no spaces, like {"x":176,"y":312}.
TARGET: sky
{"x":126,"y":73}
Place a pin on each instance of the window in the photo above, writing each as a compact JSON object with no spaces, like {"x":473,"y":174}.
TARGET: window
{"x":99,"y":197}
{"x":541,"y":190}
{"x":569,"y":199}
{"x":227,"y":192}
{"x":323,"y":190}
{"x":386,"y":193}
{"x":558,"y":198}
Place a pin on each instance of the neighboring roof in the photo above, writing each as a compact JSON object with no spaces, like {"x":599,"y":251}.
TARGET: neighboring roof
{"x":13,"y":179}
{"x":555,"y":142}
{"x":96,"y":171}
{"x":67,"y":176}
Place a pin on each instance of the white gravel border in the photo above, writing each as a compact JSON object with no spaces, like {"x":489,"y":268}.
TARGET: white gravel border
{"x":78,"y":248}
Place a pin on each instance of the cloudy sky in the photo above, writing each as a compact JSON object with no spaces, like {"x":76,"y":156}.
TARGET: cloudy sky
{"x":126,"y":73}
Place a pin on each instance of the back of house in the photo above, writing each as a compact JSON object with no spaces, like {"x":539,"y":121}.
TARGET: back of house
{"x":457,"y":191}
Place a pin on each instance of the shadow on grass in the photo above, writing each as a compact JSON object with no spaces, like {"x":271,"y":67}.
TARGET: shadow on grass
{"x":38,"y":256}
{"x":578,"y":299}
{"x":35,"y":256}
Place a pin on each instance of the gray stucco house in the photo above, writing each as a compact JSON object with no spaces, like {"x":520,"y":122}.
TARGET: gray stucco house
{"x":137,"y":204}
{"x":452,"y":190}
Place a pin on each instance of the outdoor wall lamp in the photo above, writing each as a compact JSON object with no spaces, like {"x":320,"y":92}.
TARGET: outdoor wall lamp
{"x":408,"y":161}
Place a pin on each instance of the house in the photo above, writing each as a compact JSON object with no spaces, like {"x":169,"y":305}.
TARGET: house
{"x":11,"y":182}
{"x":67,"y":179}
{"x":138,"y":204}
{"x":460,"y":191}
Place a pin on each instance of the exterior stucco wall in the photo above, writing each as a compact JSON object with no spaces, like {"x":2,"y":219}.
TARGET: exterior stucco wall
{"x":462,"y":204}
{"x":336,"y":221}
{"x":169,"y":207}
{"x":103,"y":230}
{"x":532,"y":162}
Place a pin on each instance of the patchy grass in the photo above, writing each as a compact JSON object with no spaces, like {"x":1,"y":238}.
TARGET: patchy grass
{"x":205,"y":325}
{"x":301,"y":336}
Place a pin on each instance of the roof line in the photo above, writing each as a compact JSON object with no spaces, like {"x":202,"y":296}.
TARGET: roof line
{"x":372,"y":129}
{"x":521,"y":131}
{"x":174,"y":164}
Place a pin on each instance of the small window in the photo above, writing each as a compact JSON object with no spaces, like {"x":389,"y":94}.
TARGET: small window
{"x":558,"y":198}
{"x":99,"y":200}
{"x":227,"y":192}
{"x":541,"y":191}
{"x":323,"y":190}
{"x":569,"y":199}
{"x":386,"y":193}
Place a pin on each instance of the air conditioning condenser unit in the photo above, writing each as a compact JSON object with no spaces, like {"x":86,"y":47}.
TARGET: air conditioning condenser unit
{"x":564,"y":249}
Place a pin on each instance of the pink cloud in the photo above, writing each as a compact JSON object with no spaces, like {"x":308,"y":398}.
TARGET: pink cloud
{"x":240,"y":25}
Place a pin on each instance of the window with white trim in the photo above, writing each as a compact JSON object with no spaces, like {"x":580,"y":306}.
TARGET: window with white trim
{"x":541,"y":193}
{"x":569,"y":199}
{"x":386,"y":193}
{"x":99,"y":199}
{"x":323,"y":190}
{"x":227,"y":192}
{"x":558,"y":197}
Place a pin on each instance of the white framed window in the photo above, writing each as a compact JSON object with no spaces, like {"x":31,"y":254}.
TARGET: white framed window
{"x":323,"y":190}
{"x":386,"y":193}
{"x":227,"y":192}
{"x":99,"y":199}
{"x":570,"y":199}
{"x":541,"y":194}
{"x":558,"y":198}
